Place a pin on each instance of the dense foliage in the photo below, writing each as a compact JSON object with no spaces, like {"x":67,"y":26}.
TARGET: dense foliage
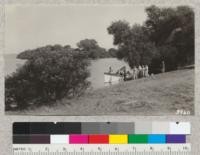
{"x":167,"y":35}
{"x":46,"y":77}
{"x":133,"y":43}
{"x":88,"y":47}
{"x":91,"y":49}
{"x":42,"y":51}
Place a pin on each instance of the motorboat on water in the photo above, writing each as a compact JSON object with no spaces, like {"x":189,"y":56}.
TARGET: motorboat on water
{"x":114,"y":78}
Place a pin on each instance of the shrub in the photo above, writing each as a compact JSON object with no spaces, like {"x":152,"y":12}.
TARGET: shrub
{"x":47,"y":77}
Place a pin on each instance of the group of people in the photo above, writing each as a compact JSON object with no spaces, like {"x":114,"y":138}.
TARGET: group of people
{"x":140,"y":71}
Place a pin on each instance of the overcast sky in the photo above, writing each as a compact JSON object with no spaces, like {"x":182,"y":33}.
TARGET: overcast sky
{"x":29,"y":27}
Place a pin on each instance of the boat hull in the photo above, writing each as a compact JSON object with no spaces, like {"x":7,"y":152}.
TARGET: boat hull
{"x":112,"y":78}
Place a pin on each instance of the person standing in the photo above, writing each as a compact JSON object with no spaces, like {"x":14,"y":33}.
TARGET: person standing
{"x":163,"y":67}
{"x":143,"y":71}
{"x":134,"y":73}
{"x":139,"y":71}
{"x":110,"y":69}
{"x":146,"y":71}
{"x":124,"y":68}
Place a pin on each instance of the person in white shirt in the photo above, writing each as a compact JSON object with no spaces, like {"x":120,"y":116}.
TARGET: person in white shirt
{"x":135,"y":73}
{"x":146,"y":71}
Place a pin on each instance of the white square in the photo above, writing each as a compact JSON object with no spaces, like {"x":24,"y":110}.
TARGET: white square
{"x":180,"y":128}
{"x":59,"y":139}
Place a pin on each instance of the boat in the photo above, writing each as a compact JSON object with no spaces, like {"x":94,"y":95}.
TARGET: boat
{"x":112,"y":78}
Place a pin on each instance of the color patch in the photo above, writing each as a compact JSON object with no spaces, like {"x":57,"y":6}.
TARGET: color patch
{"x":21,"y":128}
{"x":118,"y":139}
{"x":78,"y":139}
{"x":59,"y":139}
{"x":176,"y":138}
{"x":21,"y":139}
{"x":125,"y":128}
{"x":40,"y":139}
{"x":90,"y":128}
{"x":108,"y":128}
{"x":143,"y":128}
{"x":180,"y":128}
{"x":98,"y":139}
{"x":138,"y":139}
{"x":160,"y":128}
{"x":156,"y":139}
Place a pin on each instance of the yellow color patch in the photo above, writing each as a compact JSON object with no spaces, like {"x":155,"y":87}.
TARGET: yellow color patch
{"x":118,"y":139}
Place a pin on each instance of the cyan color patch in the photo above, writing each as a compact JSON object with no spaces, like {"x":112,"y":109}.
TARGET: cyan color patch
{"x":156,"y":138}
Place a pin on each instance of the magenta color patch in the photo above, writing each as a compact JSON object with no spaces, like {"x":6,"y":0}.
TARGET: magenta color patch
{"x":78,"y":139}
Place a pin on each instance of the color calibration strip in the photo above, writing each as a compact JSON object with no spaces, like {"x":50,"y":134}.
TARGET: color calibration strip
{"x":100,"y":133}
{"x":101,"y":128}
{"x":99,"y":139}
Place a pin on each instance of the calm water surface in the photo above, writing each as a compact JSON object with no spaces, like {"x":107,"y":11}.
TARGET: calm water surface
{"x":97,"y":68}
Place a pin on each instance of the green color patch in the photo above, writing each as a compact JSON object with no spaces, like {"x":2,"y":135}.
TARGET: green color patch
{"x":138,"y":138}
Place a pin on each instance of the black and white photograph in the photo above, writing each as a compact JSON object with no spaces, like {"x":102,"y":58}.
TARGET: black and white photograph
{"x":89,"y":60}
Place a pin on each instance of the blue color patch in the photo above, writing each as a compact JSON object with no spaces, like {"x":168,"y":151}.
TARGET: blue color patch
{"x":156,"y":139}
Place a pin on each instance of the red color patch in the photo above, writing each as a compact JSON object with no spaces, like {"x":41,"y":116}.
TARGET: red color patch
{"x":98,"y":139}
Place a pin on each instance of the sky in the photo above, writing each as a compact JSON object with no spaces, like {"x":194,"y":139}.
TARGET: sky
{"x":29,"y":27}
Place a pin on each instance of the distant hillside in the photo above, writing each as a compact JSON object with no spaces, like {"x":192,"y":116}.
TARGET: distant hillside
{"x":159,"y":95}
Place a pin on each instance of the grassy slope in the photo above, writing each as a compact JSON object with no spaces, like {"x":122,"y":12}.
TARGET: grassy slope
{"x":159,"y":95}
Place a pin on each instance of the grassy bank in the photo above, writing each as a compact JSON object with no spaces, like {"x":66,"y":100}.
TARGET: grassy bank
{"x":159,"y":95}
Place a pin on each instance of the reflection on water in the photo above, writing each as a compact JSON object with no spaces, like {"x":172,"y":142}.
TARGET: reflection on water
{"x":97,"y":68}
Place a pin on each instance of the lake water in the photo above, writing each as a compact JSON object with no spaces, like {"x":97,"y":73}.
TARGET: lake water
{"x":97,"y":68}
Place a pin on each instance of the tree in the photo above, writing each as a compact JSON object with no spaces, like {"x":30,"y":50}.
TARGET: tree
{"x":91,"y":49}
{"x":167,"y":35}
{"x":87,"y":44}
{"x":184,"y":39}
{"x":133,"y":43}
{"x":47,"y":77}
{"x":112,"y":52}
{"x":173,"y":27}
{"x":120,"y":31}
